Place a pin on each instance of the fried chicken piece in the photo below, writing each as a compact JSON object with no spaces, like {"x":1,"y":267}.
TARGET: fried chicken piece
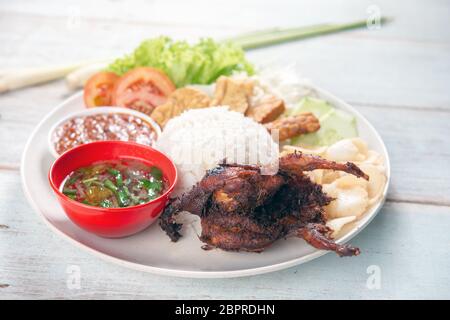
{"x":234,"y":93}
{"x":293,"y":126}
{"x":241,"y":209}
{"x":178,"y":101}
{"x":267,"y":109}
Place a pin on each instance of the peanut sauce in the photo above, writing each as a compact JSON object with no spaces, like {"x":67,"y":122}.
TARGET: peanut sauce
{"x":99,"y":127}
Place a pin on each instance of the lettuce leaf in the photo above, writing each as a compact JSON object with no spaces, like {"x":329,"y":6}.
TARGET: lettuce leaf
{"x":200,"y":63}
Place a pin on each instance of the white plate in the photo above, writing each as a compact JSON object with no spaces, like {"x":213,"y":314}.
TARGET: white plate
{"x":151,"y":250}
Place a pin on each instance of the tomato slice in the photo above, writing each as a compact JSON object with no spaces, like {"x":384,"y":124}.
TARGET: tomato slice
{"x":142,"y":89}
{"x":99,"y":88}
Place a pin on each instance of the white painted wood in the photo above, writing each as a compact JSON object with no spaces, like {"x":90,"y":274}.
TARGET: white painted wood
{"x":397,"y":76}
{"x":415,"y":20}
{"x":382,"y":72}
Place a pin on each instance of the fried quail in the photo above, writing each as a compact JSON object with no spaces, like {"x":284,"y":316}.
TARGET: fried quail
{"x":242,"y":209}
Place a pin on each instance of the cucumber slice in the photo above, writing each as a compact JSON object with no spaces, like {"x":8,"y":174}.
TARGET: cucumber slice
{"x":316,"y":106}
{"x":335,"y":124}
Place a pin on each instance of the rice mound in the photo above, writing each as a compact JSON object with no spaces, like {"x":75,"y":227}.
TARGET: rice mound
{"x":200,"y":139}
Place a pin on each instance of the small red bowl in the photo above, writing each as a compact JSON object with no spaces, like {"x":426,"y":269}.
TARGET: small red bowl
{"x":111,"y":222}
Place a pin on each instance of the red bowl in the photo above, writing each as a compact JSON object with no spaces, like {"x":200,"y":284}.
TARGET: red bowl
{"x":111,"y":222}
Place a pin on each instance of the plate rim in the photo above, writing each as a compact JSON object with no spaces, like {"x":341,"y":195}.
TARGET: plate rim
{"x":205,"y":274}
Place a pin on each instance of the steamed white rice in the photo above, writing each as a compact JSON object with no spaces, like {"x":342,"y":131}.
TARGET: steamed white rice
{"x":199,"y":139}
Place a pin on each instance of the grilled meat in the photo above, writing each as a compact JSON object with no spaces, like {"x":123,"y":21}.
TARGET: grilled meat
{"x":241,"y":209}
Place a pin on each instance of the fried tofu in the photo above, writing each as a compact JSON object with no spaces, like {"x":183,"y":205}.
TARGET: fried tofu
{"x":234,"y":93}
{"x":268,"y":109}
{"x":178,"y":101}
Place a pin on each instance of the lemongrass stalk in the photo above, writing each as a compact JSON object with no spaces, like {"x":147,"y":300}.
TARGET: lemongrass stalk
{"x":20,"y":78}
{"x":16,"y":79}
{"x":275,"y":36}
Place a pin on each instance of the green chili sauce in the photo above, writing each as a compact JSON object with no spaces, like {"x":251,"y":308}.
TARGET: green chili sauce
{"x":115,"y":184}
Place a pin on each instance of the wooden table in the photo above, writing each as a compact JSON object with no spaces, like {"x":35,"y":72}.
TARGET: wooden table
{"x":398,"y":77}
